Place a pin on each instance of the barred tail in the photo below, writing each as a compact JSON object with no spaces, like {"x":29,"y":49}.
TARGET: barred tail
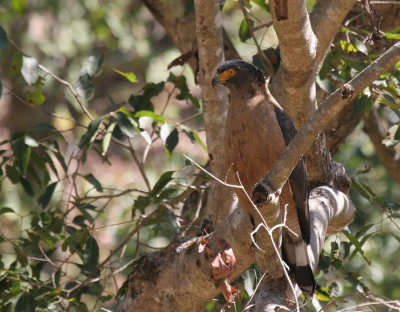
{"x":296,"y":256}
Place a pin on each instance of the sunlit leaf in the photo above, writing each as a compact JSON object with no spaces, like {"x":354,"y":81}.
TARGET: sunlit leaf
{"x":165,"y":131}
{"x":28,"y":140}
{"x":128,"y":75}
{"x":347,"y":46}
{"x":30,"y":69}
{"x":153,"y":115}
{"x":262,"y":4}
{"x":322,"y":294}
{"x":244,"y":31}
{"x":107,"y":138}
{"x":146,"y":136}
{"x":18,"y":6}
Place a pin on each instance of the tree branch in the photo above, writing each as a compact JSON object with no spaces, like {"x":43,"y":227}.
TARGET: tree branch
{"x":178,"y":278}
{"x":293,"y":85}
{"x":330,"y":212}
{"x":376,"y":132}
{"x":326,"y":18}
{"x":181,"y":26}
{"x":325,"y":113}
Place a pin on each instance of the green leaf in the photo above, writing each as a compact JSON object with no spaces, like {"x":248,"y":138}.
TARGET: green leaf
{"x":89,"y":137}
{"x":36,"y":98}
{"x":392,"y":36}
{"x":30,"y":69}
{"x":262,"y":5}
{"x":92,"y":180}
{"x":193,"y":136}
{"x":90,"y":256}
{"x":388,"y":100}
{"x":125,"y":124}
{"x":172,"y":140}
{"x":61,"y":160}
{"x":18,"y":6}
{"x":27,"y":186}
{"x":44,"y":199}
{"x":357,"y":245}
{"x":347,"y":46}
{"x":6,"y":210}
{"x":107,"y":138}
{"x":322,"y":294}
{"x":26,"y":303}
{"x":3,"y":39}
{"x":146,"y":113}
{"x":129,"y":75}
{"x":244,"y":31}
{"x":28,"y":140}
{"x":16,"y":64}
{"x":181,"y":84}
{"x":13,"y":174}
{"x":165,"y":178}
{"x":25,"y":159}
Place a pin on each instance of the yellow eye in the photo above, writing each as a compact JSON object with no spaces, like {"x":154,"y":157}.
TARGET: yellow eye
{"x":231,"y":71}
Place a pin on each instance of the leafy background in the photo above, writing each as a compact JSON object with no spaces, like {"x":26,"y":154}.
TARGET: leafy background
{"x":93,"y":128}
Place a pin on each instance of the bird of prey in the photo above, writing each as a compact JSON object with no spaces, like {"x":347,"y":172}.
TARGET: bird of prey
{"x":257,"y":132}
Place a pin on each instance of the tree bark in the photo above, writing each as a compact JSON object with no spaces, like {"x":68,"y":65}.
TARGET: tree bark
{"x":179,"y":277}
{"x":330,"y":212}
{"x":220,"y":201}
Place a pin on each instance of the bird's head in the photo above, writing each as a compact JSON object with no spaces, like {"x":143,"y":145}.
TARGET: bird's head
{"x":236,"y":73}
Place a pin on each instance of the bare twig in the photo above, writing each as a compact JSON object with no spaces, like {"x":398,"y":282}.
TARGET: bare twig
{"x":64,"y":82}
{"x":267,"y":64}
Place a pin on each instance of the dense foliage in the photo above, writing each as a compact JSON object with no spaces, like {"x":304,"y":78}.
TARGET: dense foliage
{"x":93,"y":132}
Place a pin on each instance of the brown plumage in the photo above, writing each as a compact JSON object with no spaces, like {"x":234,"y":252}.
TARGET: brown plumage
{"x":257,"y":132}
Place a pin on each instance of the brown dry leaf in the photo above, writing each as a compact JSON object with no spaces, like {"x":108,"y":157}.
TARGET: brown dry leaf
{"x":230,"y":258}
{"x":219,"y":268}
{"x":230,"y":293}
{"x":203,"y":247}
{"x":182,"y":59}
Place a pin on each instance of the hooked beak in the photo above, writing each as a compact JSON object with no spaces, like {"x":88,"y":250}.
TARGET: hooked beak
{"x":215,"y":81}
